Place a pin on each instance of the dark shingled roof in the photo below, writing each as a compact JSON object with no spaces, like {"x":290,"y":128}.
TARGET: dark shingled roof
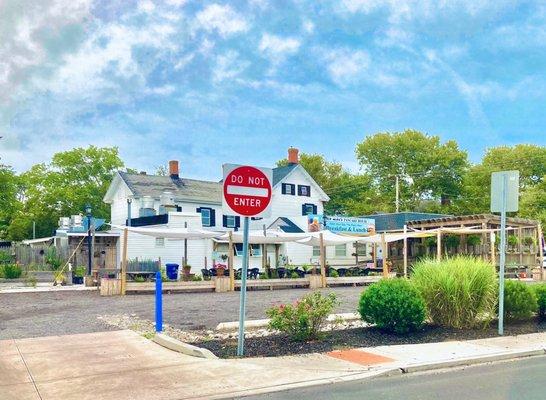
{"x":285,"y":225}
{"x":186,"y":189}
{"x":396,"y":221}
{"x":182,"y":189}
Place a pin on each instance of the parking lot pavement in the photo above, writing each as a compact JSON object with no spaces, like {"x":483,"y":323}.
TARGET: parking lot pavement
{"x":60,"y":313}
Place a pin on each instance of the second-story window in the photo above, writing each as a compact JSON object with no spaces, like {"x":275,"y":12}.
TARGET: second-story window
{"x":307,"y":209}
{"x":304,"y":190}
{"x":207,"y":216}
{"x":289,"y":188}
{"x":231,"y":221}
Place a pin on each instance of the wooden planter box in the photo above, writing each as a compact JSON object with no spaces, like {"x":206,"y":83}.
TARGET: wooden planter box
{"x":110,"y":287}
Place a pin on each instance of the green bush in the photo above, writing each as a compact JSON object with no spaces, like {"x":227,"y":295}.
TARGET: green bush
{"x":520,"y":301}
{"x":459,"y":292}
{"x":52,"y":259}
{"x":334,"y":273}
{"x":79,"y":271}
{"x":304,"y":319}
{"x":473,"y":240}
{"x":540,"y":292}
{"x":452,"y":241}
{"x":5,"y":257}
{"x":394,"y":305}
{"x":12,"y":271}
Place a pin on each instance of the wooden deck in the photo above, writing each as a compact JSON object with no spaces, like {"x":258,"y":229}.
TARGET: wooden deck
{"x":252,"y":284}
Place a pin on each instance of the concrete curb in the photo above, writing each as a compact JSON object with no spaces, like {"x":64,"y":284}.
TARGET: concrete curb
{"x":303,"y":384}
{"x":262,"y":323}
{"x":181,"y":347}
{"x":394,"y":371}
{"x":471,"y":361}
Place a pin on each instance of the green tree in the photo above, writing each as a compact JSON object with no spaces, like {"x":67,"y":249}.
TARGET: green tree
{"x":349,"y":193}
{"x":9,"y":190}
{"x":430,"y":172}
{"x":63,"y":187}
{"x":529,"y":160}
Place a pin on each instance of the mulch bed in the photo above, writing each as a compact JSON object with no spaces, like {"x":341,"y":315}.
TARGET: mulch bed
{"x":280,"y":345}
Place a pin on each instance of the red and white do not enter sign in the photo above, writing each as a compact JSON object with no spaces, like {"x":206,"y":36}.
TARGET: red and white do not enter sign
{"x":247,"y":190}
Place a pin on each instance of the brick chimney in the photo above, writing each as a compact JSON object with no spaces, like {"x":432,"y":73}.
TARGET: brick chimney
{"x":173,"y":169}
{"x":293,"y":157}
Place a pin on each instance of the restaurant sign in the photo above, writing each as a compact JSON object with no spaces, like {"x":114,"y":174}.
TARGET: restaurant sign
{"x":352,"y":225}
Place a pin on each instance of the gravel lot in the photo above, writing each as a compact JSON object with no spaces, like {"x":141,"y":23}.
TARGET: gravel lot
{"x":60,"y":313}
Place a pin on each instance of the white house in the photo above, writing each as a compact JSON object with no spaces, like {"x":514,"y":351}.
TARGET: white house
{"x":176,"y":201}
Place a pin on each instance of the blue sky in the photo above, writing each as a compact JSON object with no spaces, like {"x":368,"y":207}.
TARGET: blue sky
{"x":240,"y":81}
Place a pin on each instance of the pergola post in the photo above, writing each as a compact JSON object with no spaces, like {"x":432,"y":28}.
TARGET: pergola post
{"x":322,"y":260}
{"x":439,"y":244}
{"x":405,"y":251}
{"x":124,"y":261}
{"x":385,"y":256}
{"x":540,"y":250}
{"x":230,"y":263}
{"x":492,"y":244}
{"x":374,"y":255}
{"x":520,"y":245}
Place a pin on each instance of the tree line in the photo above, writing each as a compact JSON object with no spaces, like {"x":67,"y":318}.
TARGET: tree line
{"x":433,"y":176}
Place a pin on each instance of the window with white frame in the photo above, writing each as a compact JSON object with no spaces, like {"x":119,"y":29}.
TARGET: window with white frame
{"x":205,"y":216}
{"x":159,"y":242}
{"x":341,"y":250}
{"x":255,"y":250}
{"x":230,"y":221}
{"x":316,"y":251}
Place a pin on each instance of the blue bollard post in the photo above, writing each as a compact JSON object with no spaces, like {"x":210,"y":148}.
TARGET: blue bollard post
{"x":158,"y":302}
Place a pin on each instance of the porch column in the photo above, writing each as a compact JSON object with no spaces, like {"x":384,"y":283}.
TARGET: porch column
{"x":385,"y":256}
{"x":230,"y":263}
{"x":124,"y":261}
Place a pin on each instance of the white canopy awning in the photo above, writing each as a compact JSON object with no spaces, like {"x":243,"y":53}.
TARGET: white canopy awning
{"x":329,"y":239}
{"x":171,"y":233}
{"x":271,"y":237}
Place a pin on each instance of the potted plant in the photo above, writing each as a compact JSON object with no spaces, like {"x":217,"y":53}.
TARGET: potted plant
{"x":79,"y":273}
{"x":220,"y":268}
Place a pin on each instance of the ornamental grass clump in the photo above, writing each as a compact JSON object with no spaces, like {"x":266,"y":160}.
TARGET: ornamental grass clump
{"x":459,"y":292}
{"x":304,"y":319}
{"x":520,"y":300}
{"x":393,"y":305}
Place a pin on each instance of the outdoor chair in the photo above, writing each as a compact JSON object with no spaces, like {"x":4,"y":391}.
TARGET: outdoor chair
{"x":301,"y":273}
{"x":342,"y":271}
{"x":281,"y":272}
{"x":253,"y":273}
{"x":206,"y":273}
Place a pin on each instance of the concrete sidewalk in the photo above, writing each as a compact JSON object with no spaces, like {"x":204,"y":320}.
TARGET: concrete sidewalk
{"x":123,"y":365}
{"x":43,"y":287}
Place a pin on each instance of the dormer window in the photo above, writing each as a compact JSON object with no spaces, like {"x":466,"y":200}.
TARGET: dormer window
{"x":304,"y":190}
{"x":289,"y":188}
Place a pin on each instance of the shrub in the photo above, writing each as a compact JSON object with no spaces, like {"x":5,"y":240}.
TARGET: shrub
{"x":31,"y":280}
{"x":334,"y":273}
{"x":394,"y":305}
{"x":197,"y":278}
{"x":79,"y":271}
{"x":52,"y":259}
{"x":12,"y":271}
{"x":452,"y":241}
{"x":540,"y":292}
{"x":139,"y":279}
{"x":5,"y":257}
{"x":304,"y":319}
{"x":459,"y":292}
{"x":473,"y":240}
{"x":520,"y":301}
{"x":294,"y":275}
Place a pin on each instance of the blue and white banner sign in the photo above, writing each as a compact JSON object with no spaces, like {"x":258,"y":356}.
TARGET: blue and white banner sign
{"x":357,"y":225}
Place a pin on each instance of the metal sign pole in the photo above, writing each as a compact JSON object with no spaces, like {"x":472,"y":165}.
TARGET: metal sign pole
{"x":502,"y":255}
{"x":242,"y":302}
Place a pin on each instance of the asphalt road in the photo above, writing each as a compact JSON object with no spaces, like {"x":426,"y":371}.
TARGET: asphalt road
{"x":514,"y":380}
{"x":62,"y":313}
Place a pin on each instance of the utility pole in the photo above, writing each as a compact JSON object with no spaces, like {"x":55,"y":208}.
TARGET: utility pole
{"x":397,"y":194}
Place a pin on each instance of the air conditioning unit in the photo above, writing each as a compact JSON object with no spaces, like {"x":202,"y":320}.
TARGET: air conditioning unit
{"x":76,"y":221}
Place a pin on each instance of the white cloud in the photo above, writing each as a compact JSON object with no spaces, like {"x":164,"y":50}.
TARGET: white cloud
{"x":308,"y":26}
{"x":23,"y":44}
{"x":228,"y":66}
{"x":164,"y":90}
{"x":346,"y":66}
{"x":222,"y":19}
{"x":277,"y":48}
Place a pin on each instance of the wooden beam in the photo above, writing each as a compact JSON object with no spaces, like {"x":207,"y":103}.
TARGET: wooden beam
{"x":520,"y":245}
{"x":124,"y":261}
{"x":385,"y":256}
{"x":439,"y":245}
{"x":405,"y":251}
{"x":322,"y":260}
{"x":374,"y":255}
{"x":230,"y":263}
{"x":492,"y":244}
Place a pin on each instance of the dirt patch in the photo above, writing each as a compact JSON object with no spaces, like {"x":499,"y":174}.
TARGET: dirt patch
{"x":280,"y":345}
